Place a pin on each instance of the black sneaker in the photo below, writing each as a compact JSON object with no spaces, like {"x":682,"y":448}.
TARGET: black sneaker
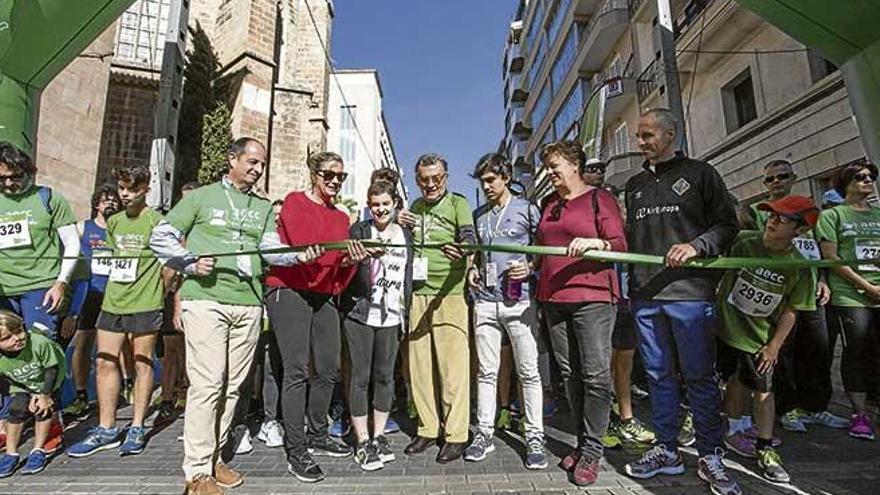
{"x":366,"y":457}
{"x":327,"y":447}
{"x":166,"y":414}
{"x":382,"y":447}
{"x":304,"y":467}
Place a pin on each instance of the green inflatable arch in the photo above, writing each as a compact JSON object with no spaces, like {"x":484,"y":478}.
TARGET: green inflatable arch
{"x":38,"y":38}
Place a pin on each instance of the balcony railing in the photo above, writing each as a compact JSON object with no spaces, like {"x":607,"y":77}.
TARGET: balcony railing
{"x":691,"y":13}
{"x":606,"y":7}
{"x":648,"y":81}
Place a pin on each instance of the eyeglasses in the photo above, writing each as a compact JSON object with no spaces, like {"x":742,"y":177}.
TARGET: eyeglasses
{"x":594,"y":170}
{"x":784,"y":219}
{"x":863,"y":177}
{"x":11,"y":178}
{"x":329,"y":175}
{"x":778,"y":177}
{"x":434,"y":180}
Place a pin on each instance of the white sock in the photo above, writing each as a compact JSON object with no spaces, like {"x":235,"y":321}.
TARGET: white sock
{"x":735,"y":426}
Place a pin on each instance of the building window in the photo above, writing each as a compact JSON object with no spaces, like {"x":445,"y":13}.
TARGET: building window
{"x":620,"y":143}
{"x":348,"y":145}
{"x":565,"y":59}
{"x":536,"y":25}
{"x":570,"y":112}
{"x":537,"y":62}
{"x":820,"y":67}
{"x":556,"y":22}
{"x":738,"y":100}
{"x":141,"y":35}
{"x":539,"y":111}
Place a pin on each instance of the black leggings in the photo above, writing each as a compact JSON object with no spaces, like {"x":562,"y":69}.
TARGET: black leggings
{"x":803,"y":377}
{"x":305,"y":324}
{"x":859,"y":329}
{"x":372,"y":351}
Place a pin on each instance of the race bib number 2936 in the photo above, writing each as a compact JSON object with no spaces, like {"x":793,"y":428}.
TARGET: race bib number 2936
{"x":751,"y":300}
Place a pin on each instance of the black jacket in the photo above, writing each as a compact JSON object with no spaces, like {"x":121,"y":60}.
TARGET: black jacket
{"x":685,"y":201}
{"x":361,"y":286}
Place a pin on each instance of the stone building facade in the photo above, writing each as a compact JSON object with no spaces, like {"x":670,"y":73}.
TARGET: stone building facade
{"x":109,"y":103}
{"x":751,"y":93}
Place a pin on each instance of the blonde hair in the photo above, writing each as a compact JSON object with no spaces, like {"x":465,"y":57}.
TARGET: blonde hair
{"x":10,"y":322}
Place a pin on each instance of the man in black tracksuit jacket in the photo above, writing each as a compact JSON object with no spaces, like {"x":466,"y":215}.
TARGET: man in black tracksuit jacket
{"x":679,"y":208}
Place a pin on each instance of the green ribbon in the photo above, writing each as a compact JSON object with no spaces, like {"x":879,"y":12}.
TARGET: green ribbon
{"x":719,"y":263}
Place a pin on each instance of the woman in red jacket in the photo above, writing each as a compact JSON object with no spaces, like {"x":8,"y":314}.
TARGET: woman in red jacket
{"x":301,"y":303}
{"x":578,"y":297}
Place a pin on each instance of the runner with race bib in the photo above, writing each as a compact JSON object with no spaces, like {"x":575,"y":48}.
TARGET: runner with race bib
{"x":132,"y":310}
{"x":758,"y":310}
{"x":851,"y":231}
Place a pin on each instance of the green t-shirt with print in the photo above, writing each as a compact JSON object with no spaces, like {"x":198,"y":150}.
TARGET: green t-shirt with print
{"x":220,"y":218}
{"x":27,"y":230}
{"x":135,"y":284}
{"x":857,"y":235}
{"x":441,"y":222}
{"x":25,"y":369}
{"x":750,"y":300}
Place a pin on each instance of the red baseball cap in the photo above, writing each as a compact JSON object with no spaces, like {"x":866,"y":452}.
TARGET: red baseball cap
{"x":800,"y":208}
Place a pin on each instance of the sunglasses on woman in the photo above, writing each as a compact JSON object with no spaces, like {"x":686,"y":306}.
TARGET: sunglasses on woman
{"x":329,"y":175}
{"x":861,"y":177}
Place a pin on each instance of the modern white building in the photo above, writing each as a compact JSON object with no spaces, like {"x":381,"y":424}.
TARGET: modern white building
{"x":358,"y":131}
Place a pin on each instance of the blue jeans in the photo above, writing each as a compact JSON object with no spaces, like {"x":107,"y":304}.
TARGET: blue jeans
{"x":29,"y":306}
{"x":684,"y":330}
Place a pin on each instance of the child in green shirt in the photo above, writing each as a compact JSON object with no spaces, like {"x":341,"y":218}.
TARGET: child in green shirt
{"x":35,"y":367}
{"x":757,"y":308}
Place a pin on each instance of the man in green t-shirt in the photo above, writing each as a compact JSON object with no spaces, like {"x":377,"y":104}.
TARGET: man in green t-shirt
{"x":221,"y":301}
{"x":36,"y":226}
{"x":438,"y":341}
{"x":35,"y":367}
{"x":758,"y":307}
{"x":131,"y":311}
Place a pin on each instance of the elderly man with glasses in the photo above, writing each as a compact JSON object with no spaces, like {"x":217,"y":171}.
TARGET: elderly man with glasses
{"x":439,"y":359}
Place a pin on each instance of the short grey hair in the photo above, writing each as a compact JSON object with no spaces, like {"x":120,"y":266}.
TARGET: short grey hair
{"x":667,"y":120}
{"x":429,"y":159}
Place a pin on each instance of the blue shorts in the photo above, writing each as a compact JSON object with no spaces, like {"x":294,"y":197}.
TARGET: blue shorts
{"x":29,"y":306}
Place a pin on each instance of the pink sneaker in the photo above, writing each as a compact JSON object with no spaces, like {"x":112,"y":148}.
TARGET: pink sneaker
{"x":752,"y":434}
{"x":741,"y":444}
{"x":570,"y":461}
{"x":860,"y":426}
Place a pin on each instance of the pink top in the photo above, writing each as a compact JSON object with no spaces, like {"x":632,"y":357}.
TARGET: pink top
{"x":572,"y":280}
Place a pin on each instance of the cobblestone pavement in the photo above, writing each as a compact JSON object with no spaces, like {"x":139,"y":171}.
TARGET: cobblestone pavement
{"x":821,"y":462}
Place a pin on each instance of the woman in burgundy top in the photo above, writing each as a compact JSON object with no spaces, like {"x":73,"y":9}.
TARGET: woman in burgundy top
{"x":301,"y":303}
{"x":578,"y":297}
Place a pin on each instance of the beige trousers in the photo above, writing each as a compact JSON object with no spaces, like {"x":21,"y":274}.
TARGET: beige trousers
{"x":221,"y":340}
{"x":439,"y":365}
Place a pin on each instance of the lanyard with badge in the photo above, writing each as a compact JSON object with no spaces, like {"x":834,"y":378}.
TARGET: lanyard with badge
{"x":242,"y":261}
{"x":420,"y":263}
{"x":491,"y":269}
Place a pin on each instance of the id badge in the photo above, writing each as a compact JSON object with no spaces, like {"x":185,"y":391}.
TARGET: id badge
{"x":243,"y":264}
{"x":491,"y":274}
{"x":420,"y":268}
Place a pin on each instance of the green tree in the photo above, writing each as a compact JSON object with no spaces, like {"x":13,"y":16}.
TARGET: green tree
{"x":199,"y":98}
{"x":216,"y":136}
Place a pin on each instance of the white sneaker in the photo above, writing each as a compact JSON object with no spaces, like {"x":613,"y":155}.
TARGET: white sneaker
{"x":826,"y":419}
{"x":271,"y":434}
{"x":244,"y":445}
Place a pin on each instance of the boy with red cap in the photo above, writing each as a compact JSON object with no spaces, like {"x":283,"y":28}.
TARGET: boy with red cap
{"x":757,"y":308}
